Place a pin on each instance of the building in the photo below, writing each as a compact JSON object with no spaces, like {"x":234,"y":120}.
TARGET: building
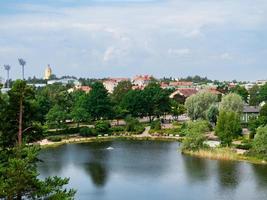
{"x":141,"y":81}
{"x":48,"y":73}
{"x":181,"y":84}
{"x":181,"y":94}
{"x":261,"y":82}
{"x":64,"y":81}
{"x":85,"y":89}
{"x":111,"y":83}
{"x":250,"y":112}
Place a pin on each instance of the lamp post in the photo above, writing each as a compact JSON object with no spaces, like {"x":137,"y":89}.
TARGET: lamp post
{"x":7,"y":68}
{"x":22,"y":63}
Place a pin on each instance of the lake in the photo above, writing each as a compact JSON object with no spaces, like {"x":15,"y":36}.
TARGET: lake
{"x":149,"y":170}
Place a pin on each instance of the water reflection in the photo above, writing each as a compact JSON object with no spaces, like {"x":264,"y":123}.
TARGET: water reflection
{"x":150,"y":170}
{"x":228,"y":174}
{"x":196,"y":169}
{"x":98,"y":173}
{"x":260,"y":173}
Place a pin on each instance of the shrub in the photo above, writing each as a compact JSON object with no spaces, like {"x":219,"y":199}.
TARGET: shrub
{"x":156,"y":125}
{"x":87,"y":132}
{"x":102,"y":127}
{"x":228,"y":127}
{"x":131,"y":124}
{"x":117,"y":129}
{"x":54,"y":138}
{"x":195,"y":135}
{"x":259,"y":145}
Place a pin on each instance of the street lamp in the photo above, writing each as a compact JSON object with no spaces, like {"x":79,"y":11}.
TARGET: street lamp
{"x":22,"y":63}
{"x":7,"y":68}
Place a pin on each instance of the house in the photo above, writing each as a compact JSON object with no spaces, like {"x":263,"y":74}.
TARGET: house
{"x":141,"y":81}
{"x":85,"y":89}
{"x":250,"y":112}
{"x":181,"y":84}
{"x":64,"y":81}
{"x":111,"y":83}
{"x":181,"y":94}
{"x":261,"y":82}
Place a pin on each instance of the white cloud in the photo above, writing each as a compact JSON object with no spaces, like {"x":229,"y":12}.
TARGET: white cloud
{"x":226,"y":56}
{"x":179,"y":52}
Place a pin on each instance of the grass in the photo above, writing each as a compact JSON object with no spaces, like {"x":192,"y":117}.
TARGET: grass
{"x":226,"y":154}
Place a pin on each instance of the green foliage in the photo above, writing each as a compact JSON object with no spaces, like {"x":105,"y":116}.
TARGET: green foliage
{"x":198,"y":104}
{"x":228,"y":126}
{"x":263,"y":111}
{"x":232,"y":103}
{"x":87,"y":132}
{"x":54,"y":138}
{"x":152,"y":101}
{"x":260,"y":142}
{"x":263,"y":93}
{"x":212,"y":114}
{"x":115,"y":129}
{"x":134,"y":103}
{"x":177,"y":108}
{"x":253,"y":124}
{"x":195,"y":135}
{"x":10,"y":109}
{"x":19,"y":177}
{"x":241,"y":91}
{"x":98,"y":102}
{"x":56,"y":117}
{"x":156,"y":125}
{"x":133,"y":125}
{"x":120,"y":91}
{"x":254,"y":96}
{"x":79,"y":113}
{"x":102,"y":127}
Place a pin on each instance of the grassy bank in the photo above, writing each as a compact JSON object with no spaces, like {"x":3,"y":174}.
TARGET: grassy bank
{"x":73,"y":140}
{"x":225,"y":154}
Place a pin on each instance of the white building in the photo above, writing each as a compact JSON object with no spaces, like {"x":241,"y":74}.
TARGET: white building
{"x":64,"y":81}
{"x":141,"y":81}
{"x":111,"y":83}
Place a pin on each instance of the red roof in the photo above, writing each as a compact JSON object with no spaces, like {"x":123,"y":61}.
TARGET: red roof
{"x":186,"y":92}
{"x":181,"y":83}
{"x":84,"y":88}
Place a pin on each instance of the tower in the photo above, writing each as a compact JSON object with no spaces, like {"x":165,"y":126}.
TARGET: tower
{"x":48,"y":72}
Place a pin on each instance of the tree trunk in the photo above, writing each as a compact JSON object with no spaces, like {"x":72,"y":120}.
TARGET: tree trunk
{"x":20,"y":121}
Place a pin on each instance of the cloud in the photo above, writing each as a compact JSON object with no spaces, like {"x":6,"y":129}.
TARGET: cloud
{"x":179,"y":52}
{"x":136,"y":34}
{"x":226,"y":56}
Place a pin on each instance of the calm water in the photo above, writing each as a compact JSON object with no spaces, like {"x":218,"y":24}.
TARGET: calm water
{"x":151,"y":171}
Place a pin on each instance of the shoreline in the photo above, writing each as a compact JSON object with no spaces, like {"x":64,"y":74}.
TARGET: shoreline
{"x":74,"y":140}
{"x":223,"y":154}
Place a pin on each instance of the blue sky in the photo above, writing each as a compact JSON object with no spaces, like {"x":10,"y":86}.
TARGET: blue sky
{"x":221,"y":39}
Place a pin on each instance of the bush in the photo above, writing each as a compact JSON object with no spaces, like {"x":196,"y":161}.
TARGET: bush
{"x":228,"y":127}
{"x":156,"y":125}
{"x":131,"y":124}
{"x":54,"y":138}
{"x":195,"y":135}
{"x":259,"y":145}
{"x":117,"y":129}
{"x":87,"y":132}
{"x":67,"y":131}
{"x":102,"y":127}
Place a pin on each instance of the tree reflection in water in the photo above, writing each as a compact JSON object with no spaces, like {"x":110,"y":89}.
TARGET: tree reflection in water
{"x":228,"y":174}
{"x":98,"y":173}
{"x":197,"y":169}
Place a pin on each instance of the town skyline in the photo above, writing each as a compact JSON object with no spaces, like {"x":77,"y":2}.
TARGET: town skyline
{"x":222,"y":40}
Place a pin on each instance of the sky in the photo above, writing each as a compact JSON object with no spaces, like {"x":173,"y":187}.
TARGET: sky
{"x":220,"y":39}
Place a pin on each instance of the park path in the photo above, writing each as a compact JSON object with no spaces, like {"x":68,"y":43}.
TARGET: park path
{"x":146,"y":132}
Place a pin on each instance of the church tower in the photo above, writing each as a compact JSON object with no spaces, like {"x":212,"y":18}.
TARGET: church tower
{"x":48,"y":72}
